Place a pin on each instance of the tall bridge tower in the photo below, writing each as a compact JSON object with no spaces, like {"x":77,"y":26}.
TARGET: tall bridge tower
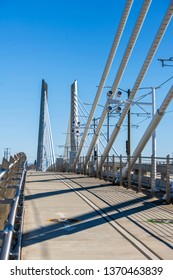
{"x":45,"y":150}
{"x":74,"y":120}
{"x":72,"y":138}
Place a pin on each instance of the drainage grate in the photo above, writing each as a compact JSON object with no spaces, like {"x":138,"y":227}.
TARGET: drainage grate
{"x":160,"y":221}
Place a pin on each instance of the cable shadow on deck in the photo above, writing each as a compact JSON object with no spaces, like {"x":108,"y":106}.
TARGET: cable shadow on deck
{"x":85,"y":222}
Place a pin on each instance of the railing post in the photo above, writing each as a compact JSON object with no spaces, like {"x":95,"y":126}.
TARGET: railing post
{"x":92,"y":167}
{"x":152,"y":175}
{"x":101,"y":170}
{"x":80,"y":165}
{"x":107,"y":169}
{"x":85,"y":165}
{"x":121,"y":167}
{"x":83,"y":160}
{"x":129,"y":173}
{"x":140,"y":175}
{"x":168,"y":199}
{"x":113,"y":169}
{"x":97,"y":171}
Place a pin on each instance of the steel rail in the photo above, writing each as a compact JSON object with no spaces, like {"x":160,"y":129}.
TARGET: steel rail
{"x":140,"y":77}
{"x":125,"y":59}
{"x":9,"y":228}
{"x":106,"y":72}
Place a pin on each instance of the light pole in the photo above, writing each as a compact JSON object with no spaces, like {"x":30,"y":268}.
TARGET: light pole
{"x":128,"y":130}
{"x":118,"y":109}
{"x":154,"y":146}
{"x":154,"y":133}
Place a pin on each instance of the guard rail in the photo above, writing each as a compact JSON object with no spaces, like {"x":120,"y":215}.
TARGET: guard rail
{"x":12,"y":181}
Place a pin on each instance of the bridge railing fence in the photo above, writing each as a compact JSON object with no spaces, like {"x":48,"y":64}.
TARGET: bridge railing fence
{"x":152,"y":173}
{"x":12,"y":181}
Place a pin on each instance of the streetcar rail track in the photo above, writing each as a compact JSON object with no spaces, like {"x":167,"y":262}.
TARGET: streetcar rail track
{"x":138,"y":244}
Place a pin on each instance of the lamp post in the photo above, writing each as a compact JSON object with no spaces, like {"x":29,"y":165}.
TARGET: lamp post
{"x":154,"y":146}
{"x":128,"y":130}
{"x":118,"y":109}
{"x":153,"y":113}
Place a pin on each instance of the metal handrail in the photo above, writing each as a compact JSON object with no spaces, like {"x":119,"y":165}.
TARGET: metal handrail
{"x":5,"y":171}
{"x":9,"y":228}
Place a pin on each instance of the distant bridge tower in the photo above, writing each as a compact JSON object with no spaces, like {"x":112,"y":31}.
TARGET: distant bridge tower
{"x":74,"y":121}
{"x":73,"y":127}
{"x":45,"y":150}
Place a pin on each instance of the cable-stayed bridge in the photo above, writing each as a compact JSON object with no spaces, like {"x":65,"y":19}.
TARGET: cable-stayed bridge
{"x":45,"y":152}
{"x":82,"y":202}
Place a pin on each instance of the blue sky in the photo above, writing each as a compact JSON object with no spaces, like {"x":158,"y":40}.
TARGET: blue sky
{"x":65,"y":40}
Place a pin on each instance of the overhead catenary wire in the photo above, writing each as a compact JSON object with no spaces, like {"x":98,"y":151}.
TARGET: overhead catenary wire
{"x":83,"y":115}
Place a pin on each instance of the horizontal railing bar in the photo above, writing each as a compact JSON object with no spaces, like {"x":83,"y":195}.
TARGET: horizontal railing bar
{"x":8,"y":231}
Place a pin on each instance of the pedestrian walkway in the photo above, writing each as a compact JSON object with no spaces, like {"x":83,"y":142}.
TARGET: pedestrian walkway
{"x":59,"y":224}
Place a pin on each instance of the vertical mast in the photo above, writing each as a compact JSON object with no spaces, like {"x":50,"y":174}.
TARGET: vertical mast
{"x":40,"y":149}
{"x":74,"y":123}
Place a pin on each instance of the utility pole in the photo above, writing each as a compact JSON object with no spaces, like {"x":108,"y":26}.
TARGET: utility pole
{"x":128,"y":130}
{"x":154,"y":132}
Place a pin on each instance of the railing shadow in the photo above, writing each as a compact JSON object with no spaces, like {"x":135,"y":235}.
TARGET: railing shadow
{"x":88,"y":220}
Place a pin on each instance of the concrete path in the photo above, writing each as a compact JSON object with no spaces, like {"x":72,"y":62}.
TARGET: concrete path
{"x":59,"y":224}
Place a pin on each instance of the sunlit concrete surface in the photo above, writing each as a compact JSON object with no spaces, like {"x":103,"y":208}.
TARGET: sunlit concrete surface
{"x":59,"y":224}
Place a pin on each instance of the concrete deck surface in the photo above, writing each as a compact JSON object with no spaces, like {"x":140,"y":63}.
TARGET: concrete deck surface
{"x":60,"y":225}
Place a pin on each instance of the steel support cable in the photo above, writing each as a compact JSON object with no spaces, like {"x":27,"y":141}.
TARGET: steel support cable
{"x":51,"y":142}
{"x":51,"y":147}
{"x":126,"y":56}
{"x":51,"y":153}
{"x":88,"y":137}
{"x":47,"y":138}
{"x":106,"y":71}
{"x":82,"y":108}
{"x":83,"y":115}
{"x":67,"y":142}
{"x":140,"y":77}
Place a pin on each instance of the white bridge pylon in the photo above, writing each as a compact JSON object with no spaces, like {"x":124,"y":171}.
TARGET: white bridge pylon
{"x":45,"y":151}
